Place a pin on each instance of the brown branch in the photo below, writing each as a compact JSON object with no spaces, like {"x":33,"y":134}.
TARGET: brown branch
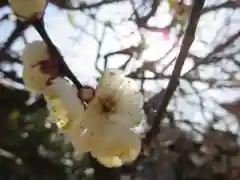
{"x":8,"y":57}
{"x":153,"y":11}
{"x":127,"y":51}
{"x":101,"y":172}
{"x":142,"y":21}
{"x":4,"y":17}
{"x":20,"y":27}
{"x":63,"y":67}
{"x":173,"y":83}
{"x":222,"y":46}
{"x":11,"y":75}
{"x":219,"y":48}
{"x":84,"y":6}
{"x":100,"y":42}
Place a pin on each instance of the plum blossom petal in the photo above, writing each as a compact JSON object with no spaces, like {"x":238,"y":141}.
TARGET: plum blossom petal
{"x":28,"y":9}
{"x":34,"y":55}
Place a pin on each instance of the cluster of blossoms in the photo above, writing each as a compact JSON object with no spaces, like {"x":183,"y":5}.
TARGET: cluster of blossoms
{"x":105,"y":127}
{"x":100,"y":121}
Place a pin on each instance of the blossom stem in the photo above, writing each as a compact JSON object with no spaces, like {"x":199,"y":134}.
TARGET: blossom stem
{"x":63,"y":67}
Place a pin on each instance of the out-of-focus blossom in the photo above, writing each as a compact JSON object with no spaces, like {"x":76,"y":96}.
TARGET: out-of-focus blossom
{"x":64,"y":104}
{"x":28,"y":9}
{"x":38,"y":68}
{"x":66,"y":110}
{"x":57,"y":112}
{"x":68,"y":94}
{"x":180,"y":9}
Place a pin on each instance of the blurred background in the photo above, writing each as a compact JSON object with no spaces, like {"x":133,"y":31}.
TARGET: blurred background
{"x":199,"y":137}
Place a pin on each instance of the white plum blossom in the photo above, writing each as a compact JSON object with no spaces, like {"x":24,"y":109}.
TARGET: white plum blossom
{"x":68,"y":94}
{"x":34,"y":56}
{"x":28,"y":9}
{"x":57,"y":112}
{"x":76,"y":133}
{"x":66,"y":110}
{"x":72,"y":128}
{"x":106,"y":125}
{"x":118,"y":98}
{"x":64,"y":104}
{"x":118,"y":148}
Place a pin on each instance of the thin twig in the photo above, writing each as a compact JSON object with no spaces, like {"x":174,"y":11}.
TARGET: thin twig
{"x":174,"y":81}
{"x":226,"y":5}
{"x":210,"y":57}
{"x":20,"y":27}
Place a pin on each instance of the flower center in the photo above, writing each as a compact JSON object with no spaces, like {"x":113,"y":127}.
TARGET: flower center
{"x":49,"y":66}
{"x":108,"y":104}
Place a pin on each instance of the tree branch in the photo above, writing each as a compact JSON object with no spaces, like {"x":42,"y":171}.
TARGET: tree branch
{"x":6,"y":56}
{"x":173,"y":83}
{"x":219,"y":48}
{"x":84,"y":6}
{"x":20,"y":27}
{"x":63,"y":67}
